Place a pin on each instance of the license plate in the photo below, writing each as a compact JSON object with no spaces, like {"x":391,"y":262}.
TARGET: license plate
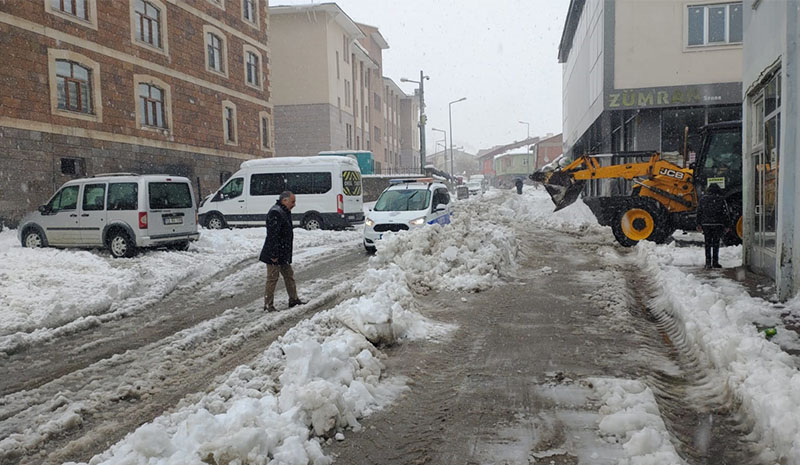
{"x":173,"y":220}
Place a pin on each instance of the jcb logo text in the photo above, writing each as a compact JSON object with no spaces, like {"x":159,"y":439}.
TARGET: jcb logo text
{"x":671,"y":173}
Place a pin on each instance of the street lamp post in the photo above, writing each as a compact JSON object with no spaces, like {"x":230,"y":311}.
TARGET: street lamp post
{"x":445,"y":146}
{"x":450,"y":115}
{"x":529,"y":127}
{"x":422,"y":118}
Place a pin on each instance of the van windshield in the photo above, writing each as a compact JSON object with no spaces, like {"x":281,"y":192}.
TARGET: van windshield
{"x":403,"y":200}
{"x":169,"y":195}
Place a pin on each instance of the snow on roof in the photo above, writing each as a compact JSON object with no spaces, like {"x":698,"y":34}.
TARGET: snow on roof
{"x":299,"y":161}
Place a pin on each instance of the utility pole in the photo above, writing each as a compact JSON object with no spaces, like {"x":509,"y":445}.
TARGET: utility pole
{"x":450,"y":117}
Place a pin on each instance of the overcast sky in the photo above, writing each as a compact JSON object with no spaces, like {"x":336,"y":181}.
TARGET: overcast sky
{"x":501,"y":55}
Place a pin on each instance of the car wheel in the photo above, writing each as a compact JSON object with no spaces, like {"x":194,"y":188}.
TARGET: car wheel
{"x":120,"y":245}
{"x":32,"y":239}
{"x":215,"y":221}
{"x":312,"y":222}
{"x":370,"y":249}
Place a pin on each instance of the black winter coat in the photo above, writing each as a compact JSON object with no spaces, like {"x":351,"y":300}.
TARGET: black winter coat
{"x":280,"y":236}
{"x":713,"y":210}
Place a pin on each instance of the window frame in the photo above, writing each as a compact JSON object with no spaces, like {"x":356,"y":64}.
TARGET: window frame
{"x":91,"y":14}
{"x":80,"y":86}
{"x":705,"y":6}
{"x":211,"y":30}
{"x":246,"y":51}
{"x":255,"y":22}
{"x":230,"y":128}
{"x":266,"y":145}
{"x":163,"y":26}
{"x":167,"y":103}
{"x":96,"y":114}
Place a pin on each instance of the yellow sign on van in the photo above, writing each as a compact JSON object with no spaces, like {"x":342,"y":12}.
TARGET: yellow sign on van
{"x":351,"y":182}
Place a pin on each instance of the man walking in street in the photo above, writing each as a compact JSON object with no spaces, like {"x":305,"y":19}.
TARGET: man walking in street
{"x":713,"y":220}
{"x":277,"y":251}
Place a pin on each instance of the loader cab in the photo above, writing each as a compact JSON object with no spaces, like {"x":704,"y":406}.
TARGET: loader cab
{"x":720,"y":158}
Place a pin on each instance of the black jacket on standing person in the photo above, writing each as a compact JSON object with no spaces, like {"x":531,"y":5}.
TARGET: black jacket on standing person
{"x":280,"y":236}
{"x":712,"y":209}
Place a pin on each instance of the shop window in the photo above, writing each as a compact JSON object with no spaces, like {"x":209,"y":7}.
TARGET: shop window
{"x":673,"y":126}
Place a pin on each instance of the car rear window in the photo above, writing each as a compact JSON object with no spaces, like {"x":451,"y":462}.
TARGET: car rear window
{"x":169,"y":195}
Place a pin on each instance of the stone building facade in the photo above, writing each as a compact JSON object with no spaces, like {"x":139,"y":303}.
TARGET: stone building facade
{"x":153,"y":86}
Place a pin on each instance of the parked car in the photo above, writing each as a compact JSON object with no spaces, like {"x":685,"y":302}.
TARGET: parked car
{"x":475,"y":187}
{"x":406,"y":204}
{"x":328,"y":192}
{"x":123,"y":212}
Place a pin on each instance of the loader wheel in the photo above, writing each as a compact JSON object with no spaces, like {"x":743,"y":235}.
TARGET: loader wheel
{"x":641,"y":221}
{"x":735,"y":234}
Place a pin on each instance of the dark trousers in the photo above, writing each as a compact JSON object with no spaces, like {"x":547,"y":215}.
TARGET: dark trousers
{"x":712,"y":235}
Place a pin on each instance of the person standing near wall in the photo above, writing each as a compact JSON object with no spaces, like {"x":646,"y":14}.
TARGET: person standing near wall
{"x":277,"y":251}
{"x":713,"y":219}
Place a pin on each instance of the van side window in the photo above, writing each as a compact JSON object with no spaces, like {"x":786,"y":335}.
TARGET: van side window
{"x":66,"y":199}
{"x":94,"y":197}
{"x":444,"y":196}
{"x":123,"y":196}
{"x":233,"y":189}
{"x":308,"y":183}
{"x":267,"y":184}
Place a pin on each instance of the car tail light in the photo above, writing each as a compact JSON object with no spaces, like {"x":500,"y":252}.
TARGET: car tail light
{"x":142,"y":220}
{"x":339,"y":204}
{"x":196,"y":218}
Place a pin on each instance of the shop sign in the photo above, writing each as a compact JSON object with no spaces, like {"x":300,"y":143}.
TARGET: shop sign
{"x":673,"y":96}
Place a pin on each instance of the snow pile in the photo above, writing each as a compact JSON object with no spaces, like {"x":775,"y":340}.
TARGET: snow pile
{"x":536,"y":206}
{"x":470,"y":254}
{"x":631,"y":417}
{"x":42,"y":290}
{"x":721,"y":319}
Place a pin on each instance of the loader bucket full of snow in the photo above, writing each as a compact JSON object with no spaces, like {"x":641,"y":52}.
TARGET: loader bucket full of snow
{"x":561,"y":186}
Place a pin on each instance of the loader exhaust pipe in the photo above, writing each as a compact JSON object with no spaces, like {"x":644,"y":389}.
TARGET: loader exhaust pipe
{"x":564,"y":190}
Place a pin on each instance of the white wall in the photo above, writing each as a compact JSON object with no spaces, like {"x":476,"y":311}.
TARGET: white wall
{"x":299,"y":70}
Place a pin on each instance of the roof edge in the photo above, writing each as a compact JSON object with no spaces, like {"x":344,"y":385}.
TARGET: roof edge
{"x":570,"y":26}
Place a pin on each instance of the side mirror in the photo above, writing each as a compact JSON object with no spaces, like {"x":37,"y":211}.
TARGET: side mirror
{"x":440,"y":208}
{"x":44,"y":209}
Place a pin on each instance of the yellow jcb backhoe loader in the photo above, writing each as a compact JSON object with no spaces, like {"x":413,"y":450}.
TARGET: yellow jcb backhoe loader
{"x":664,"y":195}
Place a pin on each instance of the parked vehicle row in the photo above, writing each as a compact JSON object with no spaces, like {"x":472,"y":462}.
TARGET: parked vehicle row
{"x":124,"y":212}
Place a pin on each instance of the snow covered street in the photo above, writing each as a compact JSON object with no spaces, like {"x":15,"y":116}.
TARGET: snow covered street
{"x":512,"y":336}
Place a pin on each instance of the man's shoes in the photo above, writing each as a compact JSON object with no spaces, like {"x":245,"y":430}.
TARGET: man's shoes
{"x":270,"y":308}
{"x":708,"y":266}
{"x":295,"y":302}
{"x":716,"y":265}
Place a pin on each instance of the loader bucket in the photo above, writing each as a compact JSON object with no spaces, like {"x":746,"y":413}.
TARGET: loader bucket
{"x":562,"y":187}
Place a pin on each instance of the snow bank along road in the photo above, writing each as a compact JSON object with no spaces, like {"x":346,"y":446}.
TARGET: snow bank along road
{"x":512,"y":336}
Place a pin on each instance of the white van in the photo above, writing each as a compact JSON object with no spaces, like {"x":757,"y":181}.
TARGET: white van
{"x":120,"y":211}
{"x":407,"y":204}
{"x":328,"y":192}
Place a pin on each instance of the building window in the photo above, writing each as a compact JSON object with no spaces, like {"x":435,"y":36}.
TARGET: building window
{"x":252,"y":66}
{"x":151,"y":106}
{"x":339,"y":106}
{"x":148,"y":23}
{"x":73,"y":166}
{"x":77,"y":8}
{"x":74,"y":89}
{"x":715,"y":24}
{"x":74,"y":84}
{"x":216,"y":50}
{"x":217,"y":3}
{"x":229,"y":122}
{"x":345,"y":49}
{"x":346,"y":93}
{"x":349,"y":136}
{"x":266,"y":139}
{"x":250,"y":11}
{"x":338,"y":75}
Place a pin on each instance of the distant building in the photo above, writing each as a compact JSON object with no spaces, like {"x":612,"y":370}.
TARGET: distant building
{"x":153,"y":86}
{"x":510,"y":166}
{"x":392,"y":96}
{"x":374,"y":43}
{"x":485,"y":158}
{"x":771,"y":141}
{"x":409,"y":134}
{"x":464,"y":163}
{"x":547,"y":149}
{"x":636,"y":73}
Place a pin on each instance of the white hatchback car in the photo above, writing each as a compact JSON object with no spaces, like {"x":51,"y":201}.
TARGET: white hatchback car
{"x":407,"y":204}
{"x":120,"y":211}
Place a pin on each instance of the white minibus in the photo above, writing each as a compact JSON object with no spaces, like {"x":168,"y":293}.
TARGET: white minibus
{"x":328,"y":191}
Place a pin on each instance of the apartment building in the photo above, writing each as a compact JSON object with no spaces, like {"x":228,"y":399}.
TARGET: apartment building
{"x":636,"y":73}
{"x":392,"y":96}
{"x":320,"y":80}
{"x":770,"y":141}
{"x":145,"y":86}
{"x":374,"y":43}
{"x":409,"y":133}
